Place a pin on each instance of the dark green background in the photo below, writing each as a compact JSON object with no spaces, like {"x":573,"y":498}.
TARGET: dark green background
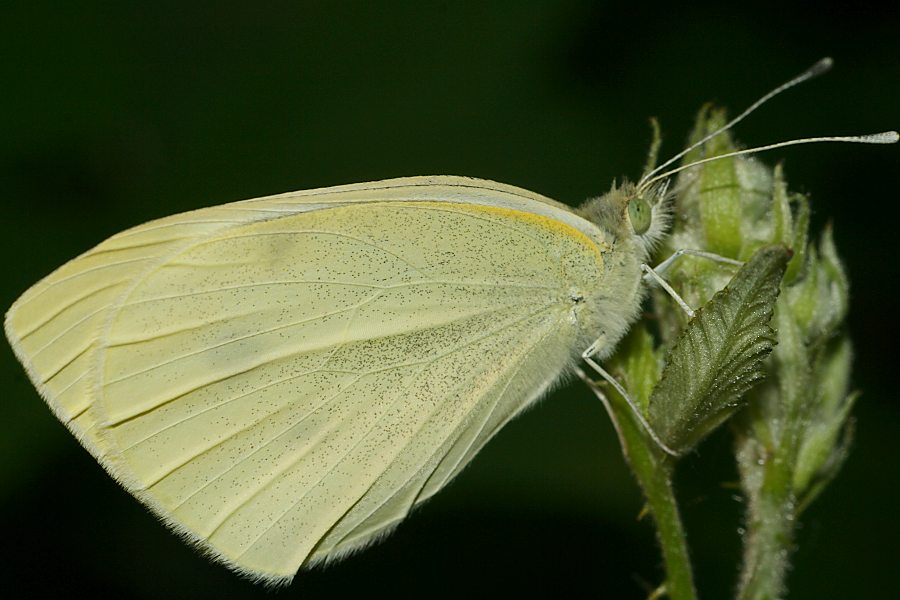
{"x":114,"y":115}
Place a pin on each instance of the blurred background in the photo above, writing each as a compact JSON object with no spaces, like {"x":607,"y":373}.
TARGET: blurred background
{"x":111,"y":115}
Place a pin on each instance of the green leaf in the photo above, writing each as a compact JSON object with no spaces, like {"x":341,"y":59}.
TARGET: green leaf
{"x":638,"y":362}
{"x":781,"y":210}
{"x":824,"y":441}
{"x":720,"y":354}
{"x":720,"y":195}
{"x":801,"y":237}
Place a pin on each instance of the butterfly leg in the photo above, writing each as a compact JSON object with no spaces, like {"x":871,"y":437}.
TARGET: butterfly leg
{"x":587,"y":355}
{"x":650,"y":272}
{"x":687,"y":251}
{"x":654,"y":273}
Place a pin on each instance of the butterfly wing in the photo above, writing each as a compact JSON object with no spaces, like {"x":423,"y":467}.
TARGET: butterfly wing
{"x":281,"y":380}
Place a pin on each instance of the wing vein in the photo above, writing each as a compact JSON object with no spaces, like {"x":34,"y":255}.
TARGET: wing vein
{"x":68,"y":362}
{"x":111,"y":249}
{"x":346,"y":283}
{"x":244,"y":337}
{"x":62,"y":280}
{"x":491,"y":412}
{"x":290,"y":426}
{"x":158,"y":226}
{"x":258,"y":234}
{"x":61,"y":309}
{"x":318,"y":369}
{"x":362,"y":438}
{"x":539,"y":243}
{"x":456,"y":432}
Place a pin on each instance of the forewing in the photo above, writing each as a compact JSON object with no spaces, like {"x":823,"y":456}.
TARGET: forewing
{"x":282,"y":380}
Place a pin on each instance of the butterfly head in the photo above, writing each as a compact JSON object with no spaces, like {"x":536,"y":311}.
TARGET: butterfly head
{"x":631,"y":215}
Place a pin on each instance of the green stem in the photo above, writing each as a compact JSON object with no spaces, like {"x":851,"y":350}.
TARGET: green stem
{"x":662,"y":505}
{"x":769,"y":538}
{"x":653,"y":469}
{"x":767,"y":454}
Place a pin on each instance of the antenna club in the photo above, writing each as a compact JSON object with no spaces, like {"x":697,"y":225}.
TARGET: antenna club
{"x":821,"y":67}
{"x":885,"y":137}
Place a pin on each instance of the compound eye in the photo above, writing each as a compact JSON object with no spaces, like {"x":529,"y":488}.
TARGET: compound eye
{"x":640,"y":215}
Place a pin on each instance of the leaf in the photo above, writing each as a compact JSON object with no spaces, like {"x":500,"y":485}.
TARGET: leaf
{"x":720,"y":354}
{"x":639,"y":363}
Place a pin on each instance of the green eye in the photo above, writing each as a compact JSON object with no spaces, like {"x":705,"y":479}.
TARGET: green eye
{"x":640,"y":215}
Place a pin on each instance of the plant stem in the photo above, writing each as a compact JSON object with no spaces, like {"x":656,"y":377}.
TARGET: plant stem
{"x":767,"y":453}
{"x":657,"y":485}
{"x":769,"y":539}
{"x":653,"y":469}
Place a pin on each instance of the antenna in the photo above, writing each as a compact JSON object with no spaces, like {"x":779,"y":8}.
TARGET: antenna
{"x":885,"y":137}
{"x":888,"y":137}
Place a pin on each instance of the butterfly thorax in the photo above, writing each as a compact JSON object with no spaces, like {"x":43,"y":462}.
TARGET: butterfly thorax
{"x":630,"y":227}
